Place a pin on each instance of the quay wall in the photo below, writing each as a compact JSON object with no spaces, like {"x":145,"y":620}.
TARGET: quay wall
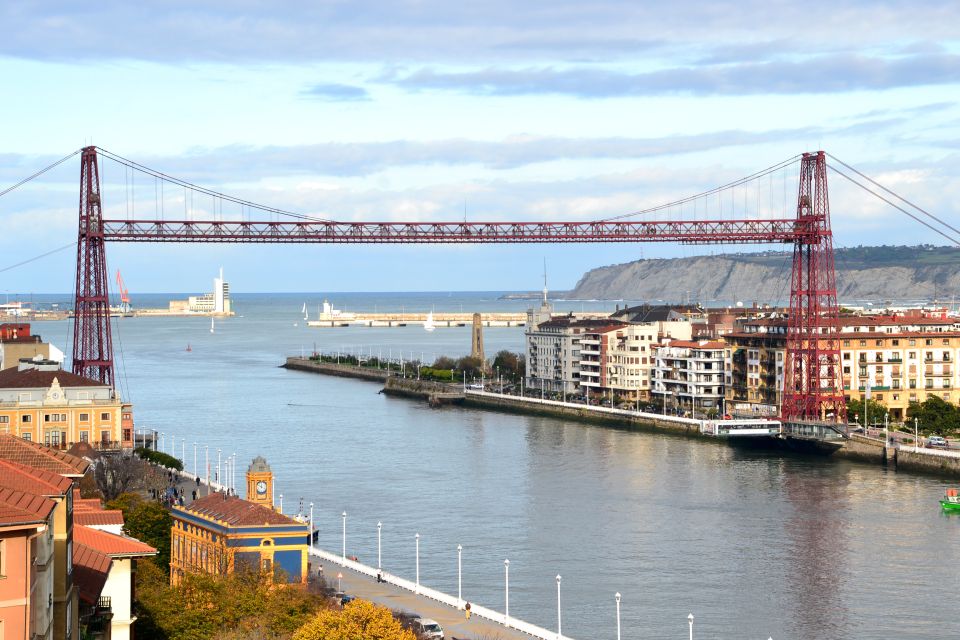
{"x":334,"y":369}
{"x":596,"y":415}
{"x":863,"y":449}
{"x":434,"y":392}
{"x":938,"y":462}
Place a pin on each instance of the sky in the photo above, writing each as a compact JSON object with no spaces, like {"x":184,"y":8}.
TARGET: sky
{"x":435,"y":110}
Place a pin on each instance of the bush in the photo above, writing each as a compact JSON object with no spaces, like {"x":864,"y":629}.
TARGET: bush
{"x":160,"y":458}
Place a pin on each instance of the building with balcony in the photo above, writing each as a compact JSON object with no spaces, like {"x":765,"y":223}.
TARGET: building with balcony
{"x":688,"y":376}
{"x":753,"y":367}
{"x":617,"y":359}
{"x":554,"y":353}
{"x":104,"y":574}
{"x":41,"y":402}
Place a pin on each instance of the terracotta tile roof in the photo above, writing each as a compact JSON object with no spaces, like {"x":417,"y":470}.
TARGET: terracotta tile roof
{"x":38,"y":456}
{"x":17,"y":507}
{"x":35,"y":481}
{"x":110,"y":543}
{"x":236,"y":511}
{"x":87,"y":504}
{"x":13,"y":378}
{"x":90,"y":571}
{"x":90,"y":518}
{"x":692,"y":344}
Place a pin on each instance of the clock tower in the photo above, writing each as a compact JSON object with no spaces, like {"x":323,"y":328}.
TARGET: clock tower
{"x":260,"y":482}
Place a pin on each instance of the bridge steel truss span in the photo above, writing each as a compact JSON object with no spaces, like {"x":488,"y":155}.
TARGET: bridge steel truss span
{"x":812,"y":384}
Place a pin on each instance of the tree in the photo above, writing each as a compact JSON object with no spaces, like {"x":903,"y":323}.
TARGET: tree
{"x":357,"y":619}
{"x":509,"y":364}
{"x":470,"y":366}
{"x":147,"y":521}
{"x":240,"y":606}
{"x":876,"y":412}
{"x":115,"y":473}
{"x":935,"y":415}
{"x":444,"y":362}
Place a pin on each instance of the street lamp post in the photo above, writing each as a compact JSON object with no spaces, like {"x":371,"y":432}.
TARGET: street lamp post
{"x":233,"y":473}
{"x":339,"y":585}
{"x":206,"y":465}
{"x":343,"y":556}
{"x":311,"y":525}
{"x":219,"y":477}
{"x":616,"y":597}
{"x":417,"y":537}
{"x":916,"y":433}
{"x":379,"y":565}
{"x":459,"y":575}
{"x":506,"y":593}
{"x":559,"y":618}
{"x":163,"y":439}
{"x":195,"y":474}
{"x":281,"y":504}
{"x":690,"y":620}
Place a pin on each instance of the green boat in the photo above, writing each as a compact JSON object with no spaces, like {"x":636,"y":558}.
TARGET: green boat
{"x":950,"y":502}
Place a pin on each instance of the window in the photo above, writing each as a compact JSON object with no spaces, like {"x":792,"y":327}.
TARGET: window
{"x":846,"y":343}
{"x":896,"y":343}
{"x":863,"y":343}
{"x":879,"y":343}
{"x":26,"y":419}
{"x":27,"y":437}
{"x":4,"y":419}
{"x":84,"y":417}
{"x":928,"y":342}
{"x":913,"y":342}
{"x":846,"y":356}
{"x":104,"y":417}
{"x":69,"y":557}
{"x":84,"y":436}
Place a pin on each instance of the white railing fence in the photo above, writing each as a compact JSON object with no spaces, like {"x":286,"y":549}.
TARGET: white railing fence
{"x":443,"y":598}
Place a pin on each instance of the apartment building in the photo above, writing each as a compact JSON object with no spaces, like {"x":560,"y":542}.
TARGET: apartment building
{"x":553,"y":352}
{"x":688,"y":375}
{"x":617,"y":359}
{"x":753,"y":367}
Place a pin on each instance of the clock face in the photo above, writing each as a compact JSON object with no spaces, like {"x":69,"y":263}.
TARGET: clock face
{"x":261,"y":487}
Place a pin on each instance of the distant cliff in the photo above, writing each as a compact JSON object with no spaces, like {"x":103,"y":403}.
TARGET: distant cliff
{"x":863,"y":273}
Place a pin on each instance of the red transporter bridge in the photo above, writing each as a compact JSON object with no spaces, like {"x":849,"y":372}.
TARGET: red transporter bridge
{"x":813,"y":389}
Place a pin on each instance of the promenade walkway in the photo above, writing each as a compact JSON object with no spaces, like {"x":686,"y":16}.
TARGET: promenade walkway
{"x":454,"y":623}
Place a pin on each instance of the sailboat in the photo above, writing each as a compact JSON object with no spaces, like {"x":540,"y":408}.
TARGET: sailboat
{"x":428,"y":323}
{"x":211,"y":325}
{"x":188,"y":347}
{"x":305,"y":316}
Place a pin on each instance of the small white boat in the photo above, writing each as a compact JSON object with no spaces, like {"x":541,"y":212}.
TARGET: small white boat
{"x":211,"y":325}
{"x":428,"y":324}
{"x":305,"y":316}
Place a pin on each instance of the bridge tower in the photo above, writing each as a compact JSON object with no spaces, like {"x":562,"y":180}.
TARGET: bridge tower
{"x":92,"y":342}
{"x":813,"y":384}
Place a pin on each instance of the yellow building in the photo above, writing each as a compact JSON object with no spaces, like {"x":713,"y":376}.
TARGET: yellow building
{"x":43,"y":403}
{"x":219,"y":534}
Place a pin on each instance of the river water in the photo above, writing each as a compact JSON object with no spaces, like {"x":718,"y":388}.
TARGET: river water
{"x":755,"y":544}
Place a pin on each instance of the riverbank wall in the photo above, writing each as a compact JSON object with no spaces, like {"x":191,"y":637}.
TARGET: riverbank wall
{"x":945,"y":463}
{"x":436,"y":393}
{"x":334,"y":369}
{"x":594,"y":415}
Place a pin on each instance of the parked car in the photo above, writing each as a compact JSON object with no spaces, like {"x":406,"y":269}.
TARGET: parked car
{"x":937,"y":442}
{"x":428,"y":628}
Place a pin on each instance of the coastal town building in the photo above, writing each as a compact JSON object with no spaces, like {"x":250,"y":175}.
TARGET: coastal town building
{"x":41,"y":402}
{"x":553,"y":353}
{"x":220,"y":534}
{"x":105,"y":564}
{"x":688,"y":375}
{"x":216,"y":302}
{"x":753,"y":367}
{"x":26,"y":565}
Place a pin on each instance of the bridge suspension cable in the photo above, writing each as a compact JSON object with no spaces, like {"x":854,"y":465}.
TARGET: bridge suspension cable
{"x":39,"y":173}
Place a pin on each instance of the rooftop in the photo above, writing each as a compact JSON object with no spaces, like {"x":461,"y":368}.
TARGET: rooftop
{"x":19,"y":508}
{"x":33,"y":454}
{"x":13,"y":378}
{"x":235,"y":511}
{"x":111,"y":544}
{"x":91,"y":518}
{"x":36,"y":481}
{"x":90,"y":571}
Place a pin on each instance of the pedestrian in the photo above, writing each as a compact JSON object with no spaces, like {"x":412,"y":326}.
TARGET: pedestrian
{"x":194,"y":494}
{"x":198,"y":481}
{"x":466,"y":611}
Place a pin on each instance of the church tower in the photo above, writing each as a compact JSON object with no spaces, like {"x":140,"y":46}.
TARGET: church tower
{"x":260,"y":482}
